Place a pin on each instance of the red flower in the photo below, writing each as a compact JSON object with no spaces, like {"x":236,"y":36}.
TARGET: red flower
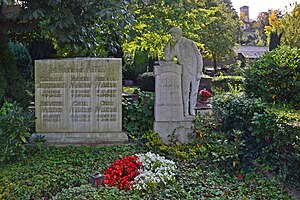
{"x":122,"y":172}
{"x":204,"y":94}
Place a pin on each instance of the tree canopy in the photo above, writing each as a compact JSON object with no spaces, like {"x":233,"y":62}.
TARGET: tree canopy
{"x":286,"y":25}
{"x":108,"y":27}
{"x":81,"y":25}
{"x":212,"y":24}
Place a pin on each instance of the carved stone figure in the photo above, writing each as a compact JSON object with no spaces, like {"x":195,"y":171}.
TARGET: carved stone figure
{"x":191,"y":60}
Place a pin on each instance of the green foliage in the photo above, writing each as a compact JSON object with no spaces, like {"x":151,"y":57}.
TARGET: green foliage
{"x":262,"y":21}
{"x":41,"y":49}
{"x":39,"y":141}
{"x":203,"y":181}
{"x":201,"y":21}
{"x":12,"y":83}
{"x":146,"y":81}
{"x":151,"y":141}
{"x":81,"y":192}
{"x":274,"y":40}
{"x":138,"y":116}
{"x":271,"y":133}
{"x":221,"y":147}
{"x":234,"y":69}
{"x":291,"y":36}
{"x":87,"y":192}
{"x":15,"y":124}
{"x":59,"y":170}
{"x":62,"y":173}
{"x":224,"y":83}
{"x":79,"y":28}
{"x":221,"y":31}
{"x":275,"y":76}
{"x":131,"y":90}
{"x":235,"y":110}
{"x":23,"y":60}
{"x":279,"y":130}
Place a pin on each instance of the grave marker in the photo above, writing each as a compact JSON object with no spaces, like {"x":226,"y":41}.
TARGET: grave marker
{"x":79,"y":100}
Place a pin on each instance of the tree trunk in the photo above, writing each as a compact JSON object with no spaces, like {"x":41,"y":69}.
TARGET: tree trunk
{"x":215,"y":61}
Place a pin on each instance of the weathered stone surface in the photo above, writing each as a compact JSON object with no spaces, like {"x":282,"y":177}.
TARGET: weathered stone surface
{"x":79,"y":100}
{"x":191,"y":61}
{"x":168,"y":93}
{"x":180,"y":129}
{"x":169,"y":118}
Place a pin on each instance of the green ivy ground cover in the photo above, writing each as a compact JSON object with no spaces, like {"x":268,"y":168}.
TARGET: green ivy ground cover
{"x":62,"y":173}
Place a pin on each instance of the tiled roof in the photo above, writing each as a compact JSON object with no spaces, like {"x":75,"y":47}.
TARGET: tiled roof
{"x":252,"y":51}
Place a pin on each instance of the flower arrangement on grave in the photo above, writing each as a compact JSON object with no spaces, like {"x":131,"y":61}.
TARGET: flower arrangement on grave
{"x":122,"y":172}
{"x":140,"y":172}
{"x":156,"y":171}
{"x":204,"y":94}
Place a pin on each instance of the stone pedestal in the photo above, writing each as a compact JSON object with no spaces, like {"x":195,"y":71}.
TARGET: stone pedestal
{"x":168,"y":108}
{"x":78,"y":101}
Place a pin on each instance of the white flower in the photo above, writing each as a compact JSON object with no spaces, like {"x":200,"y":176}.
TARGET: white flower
{"x":157,"y":170}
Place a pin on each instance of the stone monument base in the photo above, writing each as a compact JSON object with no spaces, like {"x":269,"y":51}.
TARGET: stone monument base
{"x":71,"y":139}
{"x":180,"y":129}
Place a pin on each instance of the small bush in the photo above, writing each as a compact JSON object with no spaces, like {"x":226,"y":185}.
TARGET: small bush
{"x":271,"y":133}
{"x":138,"y":116}
{"x":235,"y":110}
{"x":23,"y":60}
{"x":235,"y":69}
{"x":221,"y":147}
{"x":224,"y":83}
{"x":279,"y":130}
{"x":147,"y":81}
{"x":15,"y":124}
{"x":12,"y":84}
{"x":275,"y":76}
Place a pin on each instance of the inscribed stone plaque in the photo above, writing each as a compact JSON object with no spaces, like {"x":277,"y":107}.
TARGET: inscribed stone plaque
{"x":169,"y":117}
{"x":80,"y":95}
{"x":168,"y":92}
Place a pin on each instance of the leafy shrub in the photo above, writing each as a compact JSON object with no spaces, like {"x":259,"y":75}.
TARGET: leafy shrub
{"x":271,"y":134}
{"x":279,"y":130}
{"x":11,"y":81}
{"x":235,"y":69}
{"x":235,"y":110}
{"x":275,"y":76}
{"x":15,"y":124}
{"x":138,"y":116}
{"x":221,"y":147}
{"x":146,"y":81}
{"x":224,"y":83}
{"x":23,"y":60}
{"x":151,"y":141}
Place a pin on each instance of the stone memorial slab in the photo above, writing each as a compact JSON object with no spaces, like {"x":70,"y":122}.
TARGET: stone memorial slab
{"x":79,"y":100}
{"x":168,"y":93}
{"x":168,"y":107}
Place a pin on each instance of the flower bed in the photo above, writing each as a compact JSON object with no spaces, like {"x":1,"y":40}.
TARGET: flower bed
{"x":61,"y":173}
{"x":140,"y":172}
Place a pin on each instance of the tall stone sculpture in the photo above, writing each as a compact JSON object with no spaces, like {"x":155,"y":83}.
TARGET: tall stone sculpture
{"x":176,"y":87}
{"x":191,"y":61}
